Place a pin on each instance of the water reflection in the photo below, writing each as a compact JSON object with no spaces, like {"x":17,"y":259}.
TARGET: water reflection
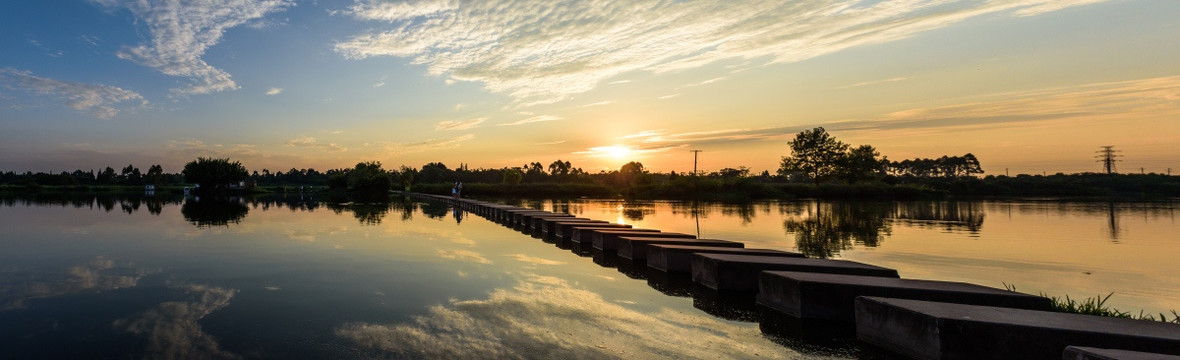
{"x":128,"y":203}
{"x":18,"y":286}
{"x":948,"y":215}
{"x":172,"y":329}
{"x":826,"y":228}
{"x":546,"y":317}
{"x":213,"y":211}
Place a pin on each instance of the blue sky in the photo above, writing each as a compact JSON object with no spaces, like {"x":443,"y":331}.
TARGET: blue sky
{"x":1026,"y":85}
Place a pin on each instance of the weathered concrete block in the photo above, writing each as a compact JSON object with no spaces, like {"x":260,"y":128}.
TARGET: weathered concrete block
{"x":522,"y":219}
{"x":934,"y":330}
{"x":562,"y":229}
{"x":728,"y":272}
{"x":636,"y":247}
{"x":533,"y":223}
{"x":608,"y":240}
{"x":678,"y":258}
{"x":582,"y":233}
{"x":596,"y":237}
{"x":1089,"y":353}
{"x":832,"y":297}
{"x":549,"y":226}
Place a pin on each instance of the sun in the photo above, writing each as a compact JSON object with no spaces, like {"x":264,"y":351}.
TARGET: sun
{"x":618,"y":152}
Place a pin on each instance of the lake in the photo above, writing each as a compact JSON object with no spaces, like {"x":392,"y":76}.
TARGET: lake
{"x":300,"y":276}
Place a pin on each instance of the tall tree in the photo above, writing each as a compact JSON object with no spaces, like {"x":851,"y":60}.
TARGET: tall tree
{"x":814,"y":153}
{"x":213,"y":173}
{"x":861,"y":164}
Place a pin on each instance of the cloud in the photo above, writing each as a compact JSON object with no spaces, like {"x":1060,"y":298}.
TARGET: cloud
{"x":181,"y":32}
{"x":172,"y":328}
{"x":459,"y":124}
{"x":463,"y":255}
{"x":98,"y":275}
{"x":546,"y":51}
{"x":535,"y":260}
{"x":310,"y":142}
{"x":866,"y":83}
{"x":428,"y":145}
{"x":538,"y":118}
{"x":546,"y":318}
{"x":274,"y":91}
{"x":551,"y":142}
{"x":600,"y":103}
{"x":1139,"y":98}
{"x":97,"y":100}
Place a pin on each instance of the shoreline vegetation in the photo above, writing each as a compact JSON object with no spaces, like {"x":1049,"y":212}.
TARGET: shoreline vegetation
{"x":1097,"y":306}
{"x":706,"y":187}
{"x":818,"y":167}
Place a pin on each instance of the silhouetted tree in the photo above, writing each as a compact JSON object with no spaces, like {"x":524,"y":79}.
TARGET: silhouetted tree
{"x":370,"y":178}
{"x":814,"y":153}
{"x":214,"y":173}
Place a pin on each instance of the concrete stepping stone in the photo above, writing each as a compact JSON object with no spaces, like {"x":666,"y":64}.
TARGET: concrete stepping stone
{"x":575,"y":232}
{"x":608,"y":240}
{"x":832,"y":297}
{"x":671,"y":258}
{"x":731,"y":272}
{"x":934,"y":330}
{"x":1089,"y":353}
{"x":636,"y":247}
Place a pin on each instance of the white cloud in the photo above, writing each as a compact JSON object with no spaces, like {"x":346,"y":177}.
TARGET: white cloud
{"x":546,"y":318}
{"x":535,"y":260}
{"x":274,"y":91}
{"x":173,"y":329}
{"x":459,"y":124}
{"x":429,"y":145}
{"x":538,"y":118}
{"x":310,"y":142}
{"x":463,"y":255}
{"x":98,"y":100}
{"x":546,"y":51}
{"x":874,"y":82}
{"x":1152,"y":97}
{"x":181,"y":32}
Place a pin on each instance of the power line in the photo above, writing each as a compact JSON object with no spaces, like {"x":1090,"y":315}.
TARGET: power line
{"x":1108,"y":156}
{"x":694,"y":160}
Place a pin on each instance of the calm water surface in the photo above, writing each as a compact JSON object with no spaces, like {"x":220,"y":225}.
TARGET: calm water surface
{"x":303,"y":277}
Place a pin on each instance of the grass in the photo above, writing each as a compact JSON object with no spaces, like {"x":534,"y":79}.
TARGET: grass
{"x":1097,"y":306}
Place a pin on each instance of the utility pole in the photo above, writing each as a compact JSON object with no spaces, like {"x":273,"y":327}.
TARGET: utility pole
{"x":1108,"y":156}
{"x":694,"y":161}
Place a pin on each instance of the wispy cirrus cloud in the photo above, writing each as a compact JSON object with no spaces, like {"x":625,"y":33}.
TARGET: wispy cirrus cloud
{"x":427,"y":145}
{"x":101,"y":101}
{"x":310,"y":142}
{"x":533,"y":119}
{"x":459,"y":124}
{"x":181,"y":32}
{"x":1133,"y":98}
{"x":874,"y":82}
{"x":464,"y":255}
{"x":545,"y":51}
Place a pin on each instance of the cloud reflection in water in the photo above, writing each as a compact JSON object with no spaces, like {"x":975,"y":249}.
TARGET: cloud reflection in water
{"x":172,"y":329}
{"x":544,"y":317}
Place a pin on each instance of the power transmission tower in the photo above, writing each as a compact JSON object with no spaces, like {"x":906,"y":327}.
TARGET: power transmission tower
{"x":1108,"y":156}
{"x":694,"y":160}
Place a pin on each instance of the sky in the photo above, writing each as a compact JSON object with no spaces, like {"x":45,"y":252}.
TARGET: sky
{"x":1028,"y":86}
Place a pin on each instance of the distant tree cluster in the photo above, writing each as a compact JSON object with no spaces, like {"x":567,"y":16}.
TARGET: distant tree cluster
{"x":130,"y":175}
{"x":946,"y":166}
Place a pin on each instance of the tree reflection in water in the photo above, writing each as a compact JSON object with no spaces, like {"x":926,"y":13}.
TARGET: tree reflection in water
{"x":213,"y":211}
{"x":830,"y":227}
